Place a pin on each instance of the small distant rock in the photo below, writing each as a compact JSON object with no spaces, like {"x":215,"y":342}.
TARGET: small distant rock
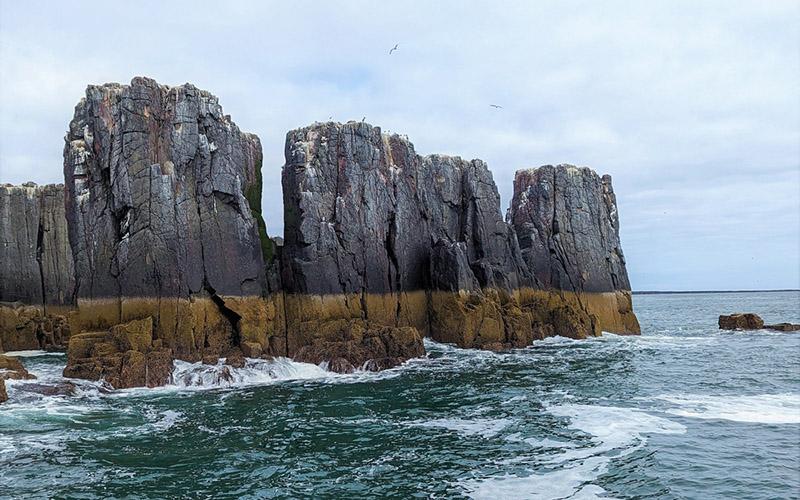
{"x":3,"y":393}
{"x":783,"y":327}
{"x":740,"y":321}
{"x":750,"y":321}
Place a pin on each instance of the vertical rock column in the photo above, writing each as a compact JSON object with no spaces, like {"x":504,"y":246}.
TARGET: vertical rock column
{"x":568,"y":228}
{"x":163,"y":202}
{"x":36,"y":269}
{"x":379,"y":236}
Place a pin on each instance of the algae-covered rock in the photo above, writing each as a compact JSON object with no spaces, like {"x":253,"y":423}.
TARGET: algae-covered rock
{"x":125,"y":356}
{"x":355,"y":347}
{"x":136,"y":335}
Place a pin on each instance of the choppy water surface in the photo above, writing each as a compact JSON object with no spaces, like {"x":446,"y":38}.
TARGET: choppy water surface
{"x":684,"y":411}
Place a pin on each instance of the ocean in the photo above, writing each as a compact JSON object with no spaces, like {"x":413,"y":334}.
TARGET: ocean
{"x":682,"y":411}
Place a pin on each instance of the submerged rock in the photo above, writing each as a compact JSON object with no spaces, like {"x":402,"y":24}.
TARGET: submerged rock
{"x":49,"y":389}
{"x":740,"y":321}
{"x":783,"y":327}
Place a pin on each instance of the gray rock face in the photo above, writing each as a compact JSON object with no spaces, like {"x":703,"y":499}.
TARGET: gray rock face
{"x":363,"y":212}
{"x":568,"y":228}
{"x":163,"y":195}
{"x":35,"y":258}
{"x":567,"y":224}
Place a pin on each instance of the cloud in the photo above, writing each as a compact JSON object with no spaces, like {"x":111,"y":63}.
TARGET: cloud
{"x":692,"y":106}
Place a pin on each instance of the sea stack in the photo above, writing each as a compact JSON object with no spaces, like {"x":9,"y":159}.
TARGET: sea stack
{"x":168,"y":256}
{"x":380,"y":235}
{"x":568,"y":228}
{"x":37,"y":278}
{"x":163,"y":204}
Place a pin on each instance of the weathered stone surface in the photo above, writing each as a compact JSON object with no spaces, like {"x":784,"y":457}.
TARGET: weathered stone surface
{"x":380,"y":234}
{"x":352,"y":346}
{"x":37,"y":278}
{"x":164,"y":210}
{"x":35,"y":258}
{"x":251,"y":349}
{"x":740,"y":321}
{"x":125,"y":356}
{"x":136,"y":335}
{"x":363,"y":211}
{"x":11,"y":368}
{"x":566,"y":221}
{"x":363,"y":214}
{"x":3,"y":393}
{"x":28,"y":327}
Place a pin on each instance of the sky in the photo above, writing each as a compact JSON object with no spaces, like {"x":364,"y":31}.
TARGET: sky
{"x":692,"y":106}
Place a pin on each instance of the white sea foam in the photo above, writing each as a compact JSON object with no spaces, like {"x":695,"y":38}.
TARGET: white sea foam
{"x":255,"y":372}
{"x":161,"y":421}
{"x":761,"y":409}
{"x":563,"y":483}
{"x":31,"y":353}
{"x":539,"y":442}
{"x":615,"y":432}
{"x":483,"y":427}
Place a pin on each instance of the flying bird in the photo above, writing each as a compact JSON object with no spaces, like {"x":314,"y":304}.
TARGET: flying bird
{"x":393,"y":48}
{"x":496,"y":106}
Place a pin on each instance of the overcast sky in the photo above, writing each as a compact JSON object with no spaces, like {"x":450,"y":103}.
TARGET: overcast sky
{"x":693,"y":107}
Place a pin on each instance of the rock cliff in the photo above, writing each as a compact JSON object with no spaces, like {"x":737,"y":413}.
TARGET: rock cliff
{"x":36,"y":269}
{"x":568,"y":228}
{"x":375,"y":233}
{"x":382,"y":246}
{"x":163,"y":197}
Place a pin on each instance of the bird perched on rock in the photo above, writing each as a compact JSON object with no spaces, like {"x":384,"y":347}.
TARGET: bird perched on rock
{"x":393,"y":49}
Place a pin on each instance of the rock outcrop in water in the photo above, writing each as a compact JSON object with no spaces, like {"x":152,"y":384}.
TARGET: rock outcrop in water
{"x":382,"y":246}
{"x":163,"y":204}
{"x":568,"y":228}
{"x":750,"y":321}
{"x":378,"y":235}
{"x":37,"y":278}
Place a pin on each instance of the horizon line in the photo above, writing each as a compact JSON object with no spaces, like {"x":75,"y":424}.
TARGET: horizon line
{"x":656,"y":292}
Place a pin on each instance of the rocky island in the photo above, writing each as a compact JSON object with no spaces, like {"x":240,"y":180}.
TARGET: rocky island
{"x":155,"y":248}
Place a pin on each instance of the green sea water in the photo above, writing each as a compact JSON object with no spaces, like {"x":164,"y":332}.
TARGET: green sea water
{"x":684,"y":411}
